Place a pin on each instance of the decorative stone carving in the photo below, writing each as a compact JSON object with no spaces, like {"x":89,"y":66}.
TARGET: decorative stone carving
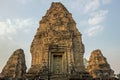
{"x":57,"y":38}
{"x":98,"y":66}
{"x":15,"y":67}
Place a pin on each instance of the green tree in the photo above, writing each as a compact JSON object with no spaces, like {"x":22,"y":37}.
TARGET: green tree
{"x":118,"y":75}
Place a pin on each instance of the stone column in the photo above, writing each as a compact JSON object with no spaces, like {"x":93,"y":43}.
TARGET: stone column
{"x":46,"y":54}
{"x":68,"y":59}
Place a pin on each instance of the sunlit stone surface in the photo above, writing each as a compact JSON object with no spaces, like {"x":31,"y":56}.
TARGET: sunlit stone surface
{"x":57,"y":47}
{"x":15,"y":66}
{"x":98,"y":66}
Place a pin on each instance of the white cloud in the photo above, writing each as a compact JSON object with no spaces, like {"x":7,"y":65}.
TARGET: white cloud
{"x":106,"y":1}
{"x":10,"y":27}
{"x":94,"y":16}
{"x":92,"y":5}
{"x":23,"y":1}
{"x":14,"y":34}
{"x":97,"y":17}
{"x":95,"y":22}
{"x":99,"y":13}
{"x":94,"y":30}
{"x":6,"y":28}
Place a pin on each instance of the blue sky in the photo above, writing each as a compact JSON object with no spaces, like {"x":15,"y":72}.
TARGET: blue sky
{"x":97,"y":20}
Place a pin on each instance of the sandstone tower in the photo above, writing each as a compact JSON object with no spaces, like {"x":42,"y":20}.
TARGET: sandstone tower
{"x":57,"y":47}
{"x":98,"y":66}
{"x":15,"y":67}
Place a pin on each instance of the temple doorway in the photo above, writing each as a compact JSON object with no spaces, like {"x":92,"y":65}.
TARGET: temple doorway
{"x":57,"y":64}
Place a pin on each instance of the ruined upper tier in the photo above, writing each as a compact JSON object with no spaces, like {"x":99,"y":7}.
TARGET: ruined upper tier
{"x":15,"y":66}
{"x":98,"y":65}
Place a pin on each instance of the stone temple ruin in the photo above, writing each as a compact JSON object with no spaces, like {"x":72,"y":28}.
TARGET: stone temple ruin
{"x":57,"y":51}
{"x":57,"y":47}
{"x":98,"y":66}
{"x":15,"y":67}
